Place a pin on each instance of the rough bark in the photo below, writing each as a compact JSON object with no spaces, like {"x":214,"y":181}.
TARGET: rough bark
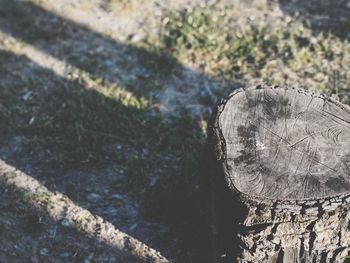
{"x":279,"y":177}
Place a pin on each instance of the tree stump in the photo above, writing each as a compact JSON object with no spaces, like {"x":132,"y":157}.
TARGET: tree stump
{"x":279,"y":177}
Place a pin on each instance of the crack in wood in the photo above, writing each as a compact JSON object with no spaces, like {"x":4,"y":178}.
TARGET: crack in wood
{"x":287,"y":166}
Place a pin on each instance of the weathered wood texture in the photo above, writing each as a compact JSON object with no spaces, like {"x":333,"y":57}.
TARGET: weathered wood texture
{"x":279,"y":176}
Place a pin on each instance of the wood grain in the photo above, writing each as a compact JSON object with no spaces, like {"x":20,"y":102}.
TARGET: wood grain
{"x":278,"y":177}
{"x":286,"y":144}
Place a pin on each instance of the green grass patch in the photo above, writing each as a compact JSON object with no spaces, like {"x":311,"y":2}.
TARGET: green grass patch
{"x":286,"y":53}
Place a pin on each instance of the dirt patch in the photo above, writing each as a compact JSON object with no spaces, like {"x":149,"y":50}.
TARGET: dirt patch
{"x":106,"y":102}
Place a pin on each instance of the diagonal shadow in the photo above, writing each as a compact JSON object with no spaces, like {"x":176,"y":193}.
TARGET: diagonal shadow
{"x":323,"y":16}
{"x":69,"y":226}
{"x":29,"y":23}
{"x":143,"y":71}
{"x":53,"y":91}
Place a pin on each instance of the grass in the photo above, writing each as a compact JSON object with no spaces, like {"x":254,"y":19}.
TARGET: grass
{"x":286,"y":53}
{"x":82,"y":120}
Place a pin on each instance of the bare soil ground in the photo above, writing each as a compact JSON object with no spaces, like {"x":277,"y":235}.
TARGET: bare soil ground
{"x":103,"y":110}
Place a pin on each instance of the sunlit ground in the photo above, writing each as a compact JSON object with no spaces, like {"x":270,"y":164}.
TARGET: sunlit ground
{"x":107,"y":102}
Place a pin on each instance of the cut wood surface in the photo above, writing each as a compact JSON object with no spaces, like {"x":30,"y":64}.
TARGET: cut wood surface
{"x":280,"y":176}
{"x":286,"y":144}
